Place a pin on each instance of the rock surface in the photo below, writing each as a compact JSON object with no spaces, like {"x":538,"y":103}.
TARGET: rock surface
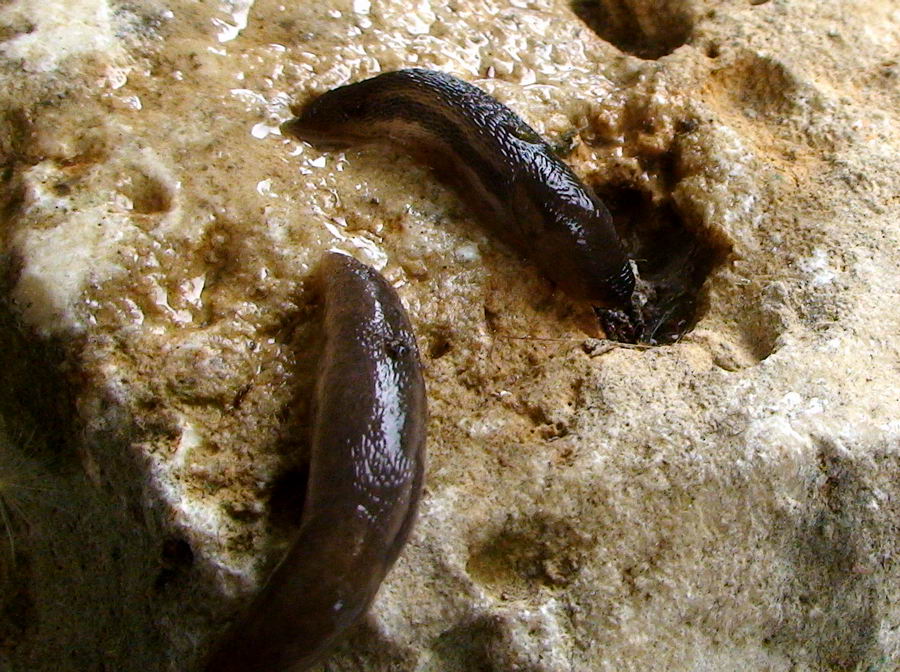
{"x":727,"y":502}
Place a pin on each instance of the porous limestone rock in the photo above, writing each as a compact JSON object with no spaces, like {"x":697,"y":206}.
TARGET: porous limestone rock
{"x":727,"y":501}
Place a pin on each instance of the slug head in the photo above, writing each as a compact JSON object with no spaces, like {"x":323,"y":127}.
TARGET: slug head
{"x":334,"y":120}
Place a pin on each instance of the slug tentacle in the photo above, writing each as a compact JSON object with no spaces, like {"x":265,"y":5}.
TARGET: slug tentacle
{"x":365,"y":480}
{"x":524,"y":193}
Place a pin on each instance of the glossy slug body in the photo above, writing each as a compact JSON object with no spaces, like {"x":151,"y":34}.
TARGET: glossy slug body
{"x":524,"y":193}
{"x":366,"y":469}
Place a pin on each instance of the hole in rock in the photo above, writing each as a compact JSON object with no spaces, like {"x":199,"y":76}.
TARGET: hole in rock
{"x":673,"y":260}
{"x":176,"y":553}
{"x":148,"y":195}
{"x":176,"y":557}
{"x":648,"y":29}
{"x":439,"y":345}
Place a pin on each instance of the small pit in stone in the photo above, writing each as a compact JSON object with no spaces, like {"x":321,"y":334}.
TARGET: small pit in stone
{"x":529,"y":555}
{"x":439,"y":345}
{"x":673,"y":261}
{"x":648,"y":29}
{"x":148,"y":195}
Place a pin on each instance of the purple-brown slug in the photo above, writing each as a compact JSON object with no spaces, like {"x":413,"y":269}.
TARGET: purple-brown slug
{"x":365,"y":479}
{"x":518,"y":188}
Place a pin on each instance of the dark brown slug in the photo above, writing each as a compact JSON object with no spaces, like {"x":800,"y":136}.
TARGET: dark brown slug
{"x":366,"y":468}
{"x":524,"y":193}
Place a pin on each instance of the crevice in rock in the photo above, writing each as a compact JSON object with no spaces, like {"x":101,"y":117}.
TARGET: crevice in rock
{"x":648,"y":29}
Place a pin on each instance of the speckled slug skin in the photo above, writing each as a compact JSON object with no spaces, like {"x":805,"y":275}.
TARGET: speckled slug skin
{"x":366,"y":469}
{"x":521,"y":191}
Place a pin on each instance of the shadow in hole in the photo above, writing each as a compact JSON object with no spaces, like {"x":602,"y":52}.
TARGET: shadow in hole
{"x":648,"y":33}
{"x":673,"y":261}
